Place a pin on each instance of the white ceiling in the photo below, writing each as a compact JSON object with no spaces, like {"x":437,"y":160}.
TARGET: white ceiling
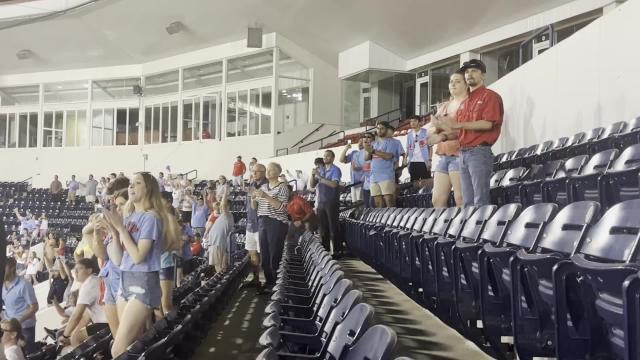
{"x":119,"y":32}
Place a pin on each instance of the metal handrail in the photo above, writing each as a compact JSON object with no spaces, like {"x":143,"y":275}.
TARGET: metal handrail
{"x":189,"y":172}
{"x":286,"y":149}
{"x":321,"y":140}
{"x":27,"y":179}
{"x":307,"y":136}
{"x":374,"y":120}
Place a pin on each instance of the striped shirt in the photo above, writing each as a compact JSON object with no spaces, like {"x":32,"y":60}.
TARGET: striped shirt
{"x":279,"y":192}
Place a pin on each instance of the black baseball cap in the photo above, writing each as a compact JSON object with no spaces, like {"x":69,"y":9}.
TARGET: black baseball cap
{"x":474,"y":64}
{"x":386,"y":125}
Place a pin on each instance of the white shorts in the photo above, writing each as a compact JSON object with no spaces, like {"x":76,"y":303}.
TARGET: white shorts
{"x":383,"y":188}
{"x":251,"y":241}
{"x":356,"y":193}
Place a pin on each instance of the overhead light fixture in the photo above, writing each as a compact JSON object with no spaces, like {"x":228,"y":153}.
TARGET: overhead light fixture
{"x":174,"y":28}
{"x":24,"y":54}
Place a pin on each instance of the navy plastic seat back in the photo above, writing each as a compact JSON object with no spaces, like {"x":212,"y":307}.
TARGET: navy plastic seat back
{"x":594,"y":134}
{"x":572,"y":166}
{"x":334,"y":297}
{"x":457,"y":224}
{"x":442,"y":222}
{"x":339,"y":313}
{"x":357,"y":322}
{"x":495,"y":227}
{"x":512,"y":176}
{"x":614,"y":129}
{"x":431,"y":220}
{"x":395,"y":215}
{"x":377,"y":343}
{"x":576,"y":139}
{"x":525,"y":230}
{"x":563,"y":233}
{"x":413,"y":218}
{"x":405,"y":218}
{"x":616,"y":236}
{"x":496,"y":178}
{"x":476,"y":222}
{"x":599,"y":162}
{"x":419,"y":223}
{"x":629,"y":159}
{"x":397,"y":219}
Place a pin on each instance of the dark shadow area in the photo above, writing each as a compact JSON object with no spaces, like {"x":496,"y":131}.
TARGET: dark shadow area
{"x":421,"y":335}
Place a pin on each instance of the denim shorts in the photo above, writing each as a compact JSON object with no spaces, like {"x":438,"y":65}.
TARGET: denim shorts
{"x":448,"y":163}
{"x":167,"y":273}
{"x":142,"y":286}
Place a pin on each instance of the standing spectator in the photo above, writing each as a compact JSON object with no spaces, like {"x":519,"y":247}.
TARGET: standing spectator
{"x":239,"y":169}
{"x":327,"y":178}
{"x":186,"y":207}
{"x":20,"y":303}
{"x":300,"y":181}
{"x":418,"y":152}
{"x":44,"y":226}
{"x":58,"y":281}
{"x":367,"y":139}
{"x":55,"y":189}
{"x":72,"y":186}
{"x":479,"y":119}
{"x":76,"y":330}
{"x":102,"y":186}
{"x":252,"y":237}
{"x":447,"y":171}
{"x":356,"y":159}
{"x":199,"y":215}
{"x":145,"y":232}
{"x":223,"y":189}
{"x":91,"y":189}
{"x":252,"y":165}
{"x":219,"y":235}
{"x":161,"y":181}
{"x":12,"y":339}
{"x":384,"y":153}
{"x":271,"y":202}
{"x":33,"y":266}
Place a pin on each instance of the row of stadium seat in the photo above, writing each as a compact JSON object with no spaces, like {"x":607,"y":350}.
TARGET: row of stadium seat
{"x":316,"y":314}
{"x":538,"y":282}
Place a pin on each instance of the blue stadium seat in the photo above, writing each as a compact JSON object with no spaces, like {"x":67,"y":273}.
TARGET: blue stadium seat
{"x":466,"y":271}
{"x":620,"y":181}
{"x":377,"y":343}
{"x":589,"y":312}
{"x":584,"y":186}
{"x":555,"y":190}
{"x":608,"y":138}
{"x":508,"y":190}
{"x":582,"y":148}
{"x":630,"y":136}
{"x":529,"y":189}
{"x":532,"y":293}
{"x":495,"y":274}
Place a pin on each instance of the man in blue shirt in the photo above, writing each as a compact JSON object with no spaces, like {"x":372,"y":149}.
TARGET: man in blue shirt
{"x":384,"y":154}
{"x":357,"y":159}
{"x":20,"y":303}
{"x":327,"y":178}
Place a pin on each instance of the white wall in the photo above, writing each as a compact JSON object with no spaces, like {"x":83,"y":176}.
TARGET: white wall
{"x":211,"y":159}
{"x":590,"y":79}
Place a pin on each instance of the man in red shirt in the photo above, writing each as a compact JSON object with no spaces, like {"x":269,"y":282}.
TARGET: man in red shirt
{"x":479,"y":120}
{"x":239,"y":168}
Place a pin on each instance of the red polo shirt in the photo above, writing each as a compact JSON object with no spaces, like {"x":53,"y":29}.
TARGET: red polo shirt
{"x":482,"y":104}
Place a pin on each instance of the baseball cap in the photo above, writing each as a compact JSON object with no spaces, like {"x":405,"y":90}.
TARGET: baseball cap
{"x":386,"y":125}
{"x":474,"y":64}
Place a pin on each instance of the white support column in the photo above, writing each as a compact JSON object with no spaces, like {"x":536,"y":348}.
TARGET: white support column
{"x":274,"y":98}
{"x":223,"y":102}
{"x":180,"y":108}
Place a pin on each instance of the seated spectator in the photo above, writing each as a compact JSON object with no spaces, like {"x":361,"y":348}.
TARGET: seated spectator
{"x":301,"y":213}
{"x":78,"y":328}
{"x":58,"y":281}
{"x":12,"y":339}
{"x":218,"y":237}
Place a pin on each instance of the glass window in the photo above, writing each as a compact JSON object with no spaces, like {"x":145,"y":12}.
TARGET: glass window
{"x":133,"y":126}
{"x":265,"y":110}
{"x":20,"y":95}
{"x":114,"y":89}
{"x":570,"y":30}
{"x":74,"y":91}
{"x":164,"y":116}
{"x":3,"y":130}
{"x":187,"y":120}
{"x":147,"y":124}
{"x":242,"y":112}
{"x":52,"y":129}
{"x":23,"y":129}
{"x":72,"y":130}
{"x":250,"y":67}
{"x":288,"y":66}
{"x":103,"y":126}
{"x":13,"y":130}
{"x":107,"y":133}
{"x":254,"y":111}
{"x":160,"y":84}
{"x":202,"y":76}
{"x":173,"y":122}
{"x":293,"y":103}
{"x":209,"y":117}
{"x":33,"y":129}
{"x":196,"y":119}
{"x":506,"y":59}
{"x":439,"y":82}
{"x":121,"y":126}
{"x":231,"y":114}
{"x":155,"y":134}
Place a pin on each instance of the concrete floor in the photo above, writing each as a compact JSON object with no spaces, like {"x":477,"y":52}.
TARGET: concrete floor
{"x":421,"y":335}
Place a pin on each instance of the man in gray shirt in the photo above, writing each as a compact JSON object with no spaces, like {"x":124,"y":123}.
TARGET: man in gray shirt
{"x":90,"y":190}
{"x":218,"y":237}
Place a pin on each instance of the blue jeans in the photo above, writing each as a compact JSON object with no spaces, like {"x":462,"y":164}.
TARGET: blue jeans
{"x":29,"y":334}
{"x":476,"y":165}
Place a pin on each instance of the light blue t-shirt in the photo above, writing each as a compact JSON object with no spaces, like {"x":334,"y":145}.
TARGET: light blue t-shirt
{"x":17,"y":299}
{"x":219,"y":233}
{"x":199,"y":215}
{"x":381,"y":169}
{"x":146,"y":226}
{"x":357,"y":158}
{"x":326,"y":193}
